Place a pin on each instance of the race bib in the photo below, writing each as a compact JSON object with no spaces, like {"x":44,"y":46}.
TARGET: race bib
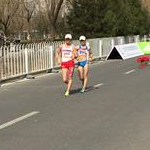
{"x":66,"y":53}
{"x":82,"y":52}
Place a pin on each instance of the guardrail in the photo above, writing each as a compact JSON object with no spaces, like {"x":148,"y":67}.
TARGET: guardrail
{"x":22,"y":60}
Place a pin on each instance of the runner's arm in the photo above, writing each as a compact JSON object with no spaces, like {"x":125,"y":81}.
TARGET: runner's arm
{"x":58,"y":55}
{"x":74,"y":52}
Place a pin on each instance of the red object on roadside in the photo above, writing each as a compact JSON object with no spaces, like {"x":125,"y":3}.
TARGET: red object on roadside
{"x":143,"y":58}
{"x":143,"y":61}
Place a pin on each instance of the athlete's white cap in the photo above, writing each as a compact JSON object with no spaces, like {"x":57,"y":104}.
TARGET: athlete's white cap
{"x":68,"y":36}
{"x":82,"y":38}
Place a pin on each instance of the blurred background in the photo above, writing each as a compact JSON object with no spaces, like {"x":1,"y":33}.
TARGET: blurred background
{"x":26,"y":21}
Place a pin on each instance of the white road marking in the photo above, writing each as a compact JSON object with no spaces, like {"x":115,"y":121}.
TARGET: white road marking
{"x":25,"y":79}
{"x":98,"y":85}
{"x":128,"y":72}
{"x":11,"y":83}
{"x":18,"y":119}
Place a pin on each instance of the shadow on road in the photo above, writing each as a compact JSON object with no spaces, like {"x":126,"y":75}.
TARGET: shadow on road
{"x":89,"y":88}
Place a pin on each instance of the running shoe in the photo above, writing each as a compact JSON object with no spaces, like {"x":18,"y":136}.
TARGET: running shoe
{"x":82,"y":91}
{"x":67,"y":93}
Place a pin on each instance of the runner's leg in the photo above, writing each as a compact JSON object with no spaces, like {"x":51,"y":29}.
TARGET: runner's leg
{"x":81,"y":74}
{"x":64,"y":75}
{"x":86,"y":72}
{"x":70,"y":75}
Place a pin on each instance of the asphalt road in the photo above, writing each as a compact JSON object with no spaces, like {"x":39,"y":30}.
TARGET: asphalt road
{"x":35,"y":114}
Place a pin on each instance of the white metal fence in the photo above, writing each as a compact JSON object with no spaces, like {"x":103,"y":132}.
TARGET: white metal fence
{"x":19,"y":60}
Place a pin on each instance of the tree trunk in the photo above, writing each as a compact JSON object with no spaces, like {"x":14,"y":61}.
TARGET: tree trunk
{"x":53,"y":9}
{"x":53,"y":32}
{"x":29,"y":31}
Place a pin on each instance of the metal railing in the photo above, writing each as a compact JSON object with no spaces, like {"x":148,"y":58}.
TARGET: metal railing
{"x":23,"y":60}
{"x":20,"y":60}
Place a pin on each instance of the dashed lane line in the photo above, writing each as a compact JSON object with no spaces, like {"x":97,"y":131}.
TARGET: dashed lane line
{"x":10,"y":123}
{"x":98,"y":85}
{"x":128,"y":72}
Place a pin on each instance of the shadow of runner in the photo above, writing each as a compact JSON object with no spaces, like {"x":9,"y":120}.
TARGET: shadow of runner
{"x":89,"y":88}
{"x":75,"y":91}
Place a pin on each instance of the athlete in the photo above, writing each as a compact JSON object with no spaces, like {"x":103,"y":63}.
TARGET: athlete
{"x":65,"y":57}
{"x":84,"y":55}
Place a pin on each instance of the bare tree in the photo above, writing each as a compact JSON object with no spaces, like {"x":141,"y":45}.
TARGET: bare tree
{"x":29,"y":7}
{"x":17,"y":15}
{"x":18,"y":23}
{"x":8,"y":9}
{"x":53,"y":8}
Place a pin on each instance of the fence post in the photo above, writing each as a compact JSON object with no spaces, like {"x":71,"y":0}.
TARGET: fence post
{"x":27,"y":66}
{"x":145,"y":38}
{"x":1,"y":64}
{"x":112,"y":43}
{"x":121,"y":41}
{"x":51,"y":58}
{"x":100,"y":49}
{"x":26,"y":61}
{"x":136,"y":38}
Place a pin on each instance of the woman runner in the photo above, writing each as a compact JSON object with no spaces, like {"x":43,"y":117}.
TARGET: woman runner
{"x":65,"y":56}
{"x":83,"y":56}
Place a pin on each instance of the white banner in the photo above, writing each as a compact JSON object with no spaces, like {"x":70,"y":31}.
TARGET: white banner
{"x":125,"y":51}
